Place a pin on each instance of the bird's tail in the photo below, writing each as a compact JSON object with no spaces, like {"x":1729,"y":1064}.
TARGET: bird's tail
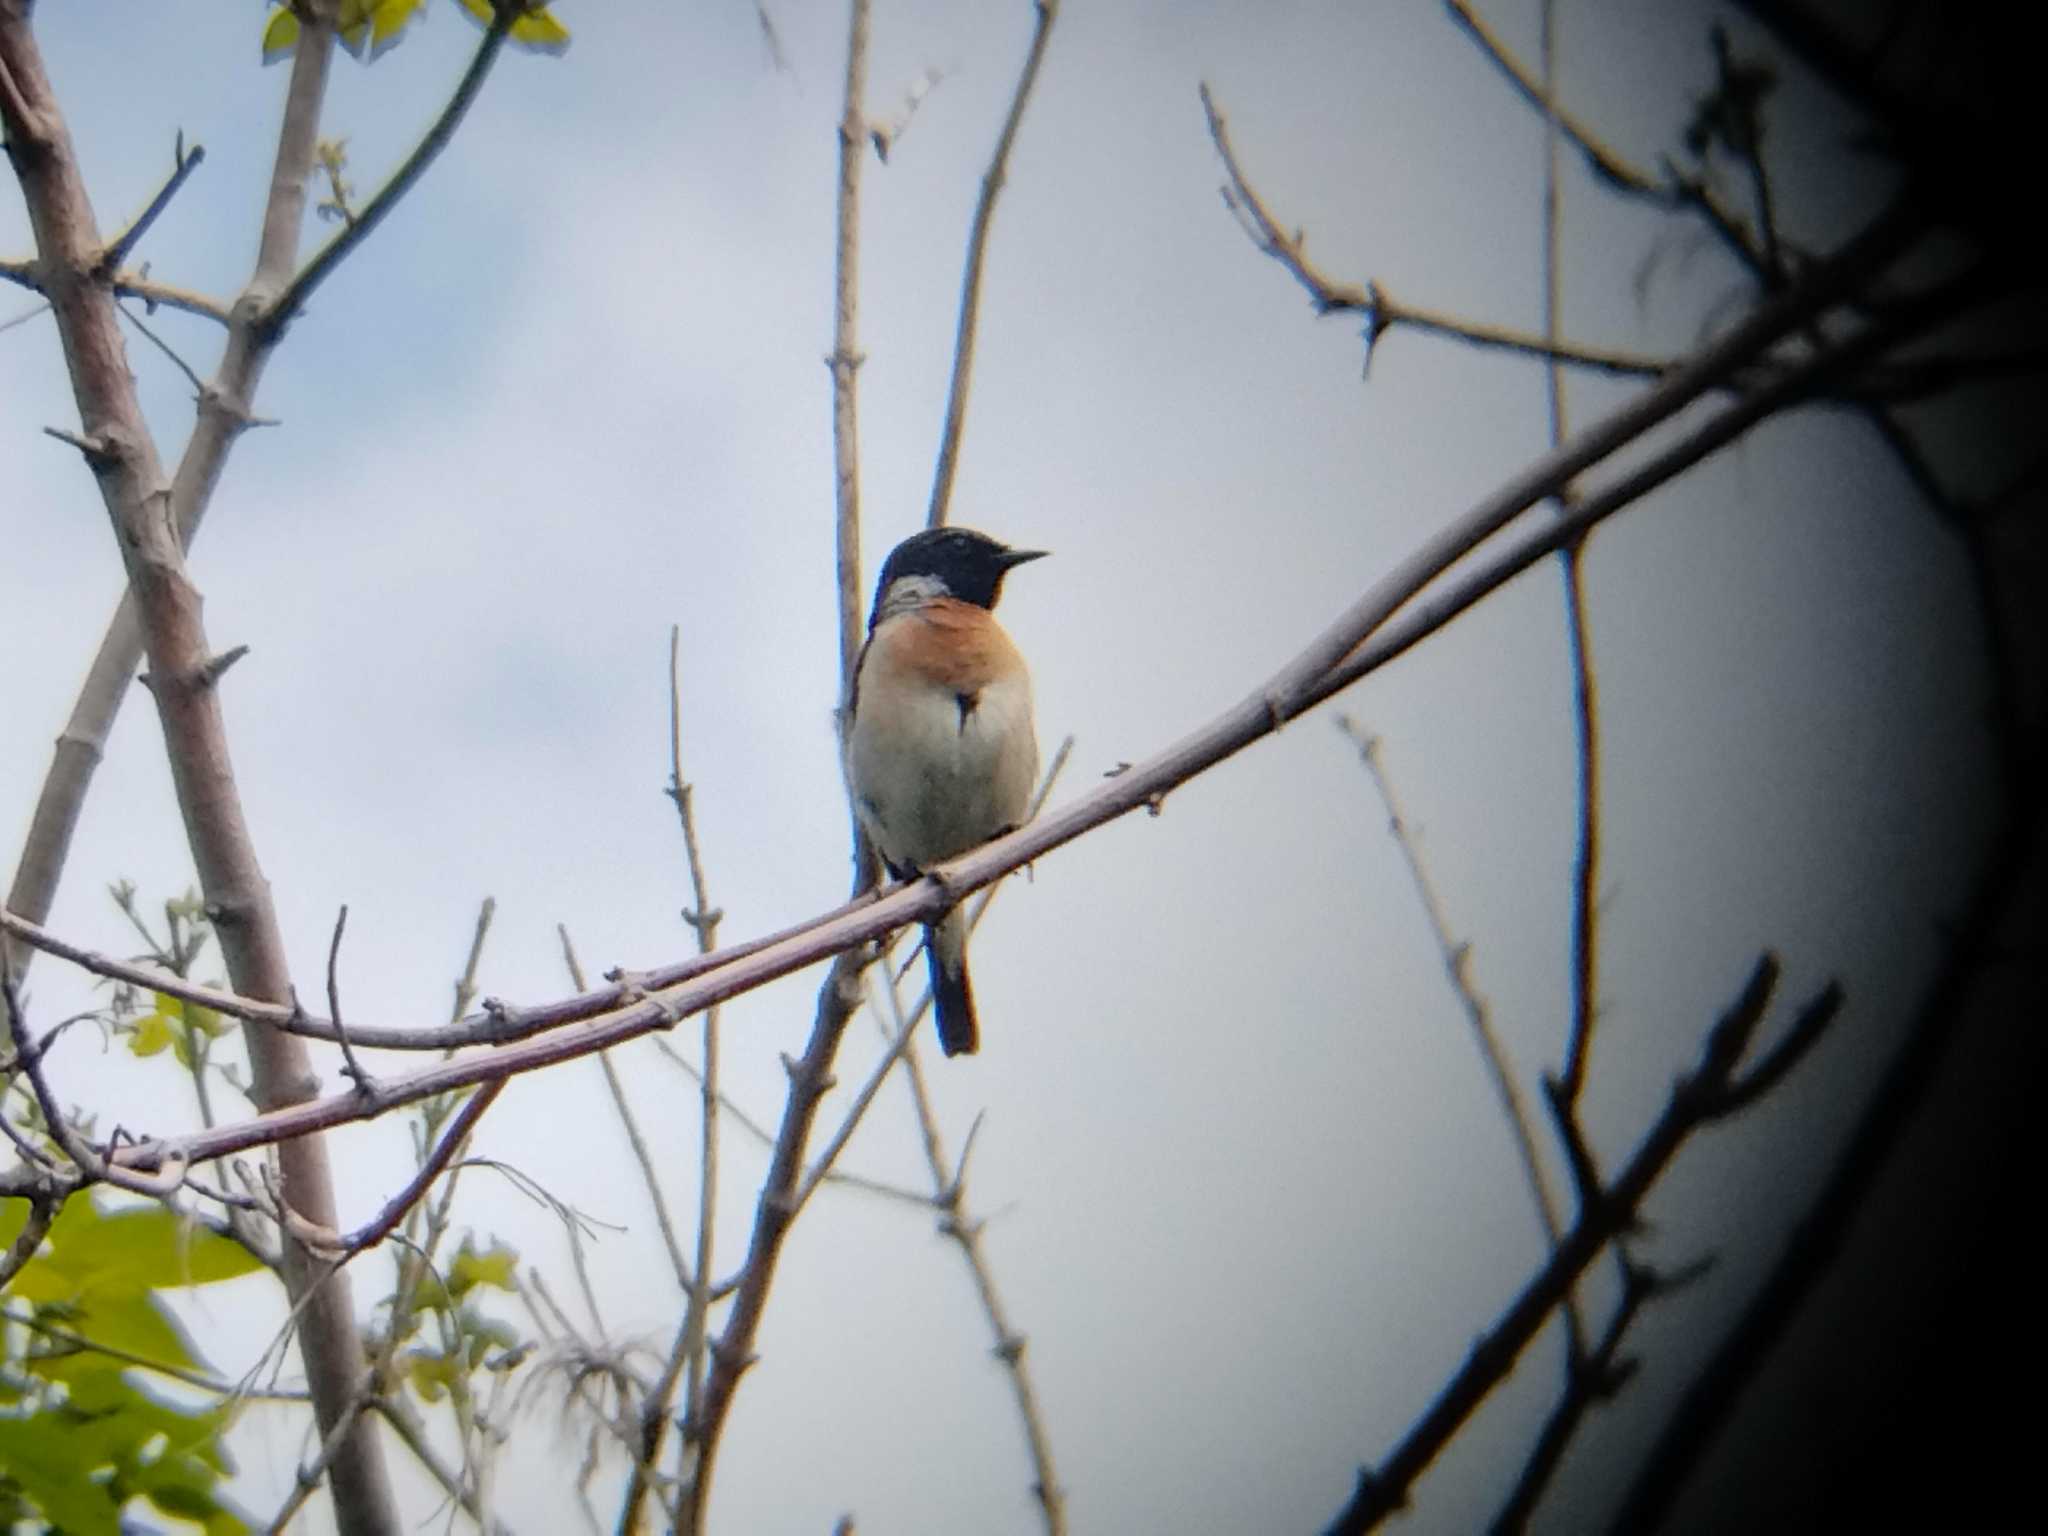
{"x":952,"y":997}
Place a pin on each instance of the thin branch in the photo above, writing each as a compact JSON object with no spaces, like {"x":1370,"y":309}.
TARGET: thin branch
{"x":856,"y":1111}
{"x":1596,"y":1378}
{"x":405,"y":1422}
{"x":198,"y":384}
{"x":1289,"y":249}
{"x":809,"y":1080}
{"x":1456,"y":956}
{"x":288,"y":303}
{"x":72,"y":1339}
{"x":759,"y":1133}
{"x":703,"y":917}
{"x":351,"y":1068}
{"x":42,"y":1210}
{"x":1878,"y":1135}
{"x":949,"y":1192}
{"x":311,"y":1473}
{"x":465,"y":984}
{"x":1672,"y":191}
{"x":1695,"y":1102}
{"x":1382,"y":312}
{"x":125,"y":285}
{"x":845,"y":361}
{"x":642,"y":1155}
{"x":24,"y":317}
{"x":184,"y":163}
{"x":395,"y":1210}
{"x":965,"y":330}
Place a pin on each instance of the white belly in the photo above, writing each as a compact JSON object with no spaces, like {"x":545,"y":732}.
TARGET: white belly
{"x":948,"y":781}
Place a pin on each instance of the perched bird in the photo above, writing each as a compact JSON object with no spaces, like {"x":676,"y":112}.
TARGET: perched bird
{"x":940,"y":751}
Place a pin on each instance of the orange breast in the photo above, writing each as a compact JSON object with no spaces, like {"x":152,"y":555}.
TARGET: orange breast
{"x":952,"y":645}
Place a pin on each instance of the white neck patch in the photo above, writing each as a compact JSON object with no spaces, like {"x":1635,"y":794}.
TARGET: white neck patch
{"x":910,"y":592}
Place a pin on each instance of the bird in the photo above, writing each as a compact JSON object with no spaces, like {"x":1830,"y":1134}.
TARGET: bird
{"x":940,"y":750}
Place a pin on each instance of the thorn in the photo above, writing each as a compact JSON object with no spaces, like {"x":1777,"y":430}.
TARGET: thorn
{"x":98,"y":452}
{"x":215,"y":667}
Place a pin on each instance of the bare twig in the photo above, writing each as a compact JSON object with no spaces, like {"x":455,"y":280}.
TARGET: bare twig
{"x":198,"y":385}
{"x":358,"y":229}
{"x":395,"y":1210}
{"x":465,"y":984}
{"x":737,"y":1114}
{"x":977,"y":250}
{"x":1456,"y":957}
{"x":24,"y":317}
{"x":628,"y":1121}
{"x":311,"y":1473}
{"x":1590,"y":1380}
{"x":1818,"y":1237}
{"x":42,"y":1210}
{"x":351,"y":1068}
{"x":71,"y":1338}
{"x":125,"y":285}
{"x":1583,"y":988}
{"x":1697,"y":1100}
{"x":845,"y":361}
{"x":183,"y":163}
{"x":1671,"y":191}
{"x":703,"y":917}
{"x":809,"y":1080}
{"x":949,"y":1193}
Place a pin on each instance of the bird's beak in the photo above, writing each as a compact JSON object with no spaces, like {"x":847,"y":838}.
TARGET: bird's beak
{"x":1011,"y":557}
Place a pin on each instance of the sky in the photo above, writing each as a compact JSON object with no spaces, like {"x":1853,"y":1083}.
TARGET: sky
{"x":1250,"y":1194}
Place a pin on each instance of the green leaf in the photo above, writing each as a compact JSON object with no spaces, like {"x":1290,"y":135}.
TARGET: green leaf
{"x":429,"y":1374}
{"x":53,"y":1467}
{"x":135,"y":1323}
{"x":535,"y":32}
{"x":280,"y":35}
{"x":139,"y":1416}
{"x":495,"y":1266}
{"x":152,"y":1033}
{"x":142,"y":1247}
